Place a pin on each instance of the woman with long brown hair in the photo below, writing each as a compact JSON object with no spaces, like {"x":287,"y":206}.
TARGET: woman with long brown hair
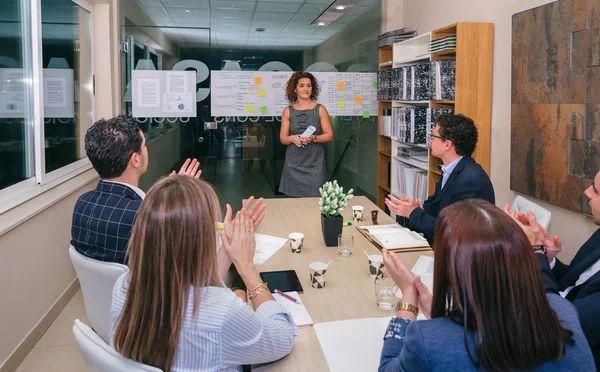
{"x":489,"y":309}
{"x":304,"y":167}
{"x":171,"y":310}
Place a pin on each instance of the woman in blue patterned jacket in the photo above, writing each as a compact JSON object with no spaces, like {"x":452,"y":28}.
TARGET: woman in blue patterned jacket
{"x":489,"y":310}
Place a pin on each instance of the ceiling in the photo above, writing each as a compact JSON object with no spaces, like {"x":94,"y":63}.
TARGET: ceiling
{"x":233,"y":23}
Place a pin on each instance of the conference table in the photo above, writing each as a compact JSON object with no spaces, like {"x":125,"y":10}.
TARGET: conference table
{"x":349,"y":292}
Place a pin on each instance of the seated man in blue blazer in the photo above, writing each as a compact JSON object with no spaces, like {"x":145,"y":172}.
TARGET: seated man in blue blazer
{"x":453,"y":141}
{"x":578,"y":282}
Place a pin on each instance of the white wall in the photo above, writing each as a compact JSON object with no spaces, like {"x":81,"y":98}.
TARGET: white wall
{"x":426,"y":15}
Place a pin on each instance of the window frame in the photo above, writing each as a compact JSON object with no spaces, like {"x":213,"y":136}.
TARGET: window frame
{"x":31,"y":187}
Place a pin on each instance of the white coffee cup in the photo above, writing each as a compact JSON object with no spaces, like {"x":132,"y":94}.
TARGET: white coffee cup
{"x":296,"y":242}
{"x":317,"y":274}
{"x":357,"y":213}
{"x":376,"y":266}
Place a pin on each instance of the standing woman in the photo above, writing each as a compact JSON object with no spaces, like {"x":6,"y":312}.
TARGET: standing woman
{"x":304,"y":167}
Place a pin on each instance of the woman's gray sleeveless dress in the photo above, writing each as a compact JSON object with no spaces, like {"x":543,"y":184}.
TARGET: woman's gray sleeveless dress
{"x":304,"y":168}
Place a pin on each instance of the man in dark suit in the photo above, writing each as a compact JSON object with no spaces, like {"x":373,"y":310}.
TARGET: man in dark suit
{"x":453,"y":141}
{"x":579,"y":281}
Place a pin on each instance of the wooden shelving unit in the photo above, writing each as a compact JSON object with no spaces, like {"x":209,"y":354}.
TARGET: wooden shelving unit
{"x":384,"y":144}
{"x":473,"y":93}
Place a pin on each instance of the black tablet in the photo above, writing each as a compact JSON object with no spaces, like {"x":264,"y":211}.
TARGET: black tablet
{"x":285,"y":281}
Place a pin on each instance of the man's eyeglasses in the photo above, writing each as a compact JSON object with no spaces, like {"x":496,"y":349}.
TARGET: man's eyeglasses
{"x":434,"y":136}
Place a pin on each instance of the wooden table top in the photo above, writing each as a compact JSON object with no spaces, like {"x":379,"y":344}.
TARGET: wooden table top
{"x":349,"y":292}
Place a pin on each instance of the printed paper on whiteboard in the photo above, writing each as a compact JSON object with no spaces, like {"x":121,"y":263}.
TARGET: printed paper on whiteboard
{"x":55,"y":92}
{"x":178,"y":103}
{"x":148,"y":92}
{"x":176,"y":82}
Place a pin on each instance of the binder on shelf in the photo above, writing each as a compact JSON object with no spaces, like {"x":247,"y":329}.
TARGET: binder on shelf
{"x":420,"y":83}
{"x":442,"y":80}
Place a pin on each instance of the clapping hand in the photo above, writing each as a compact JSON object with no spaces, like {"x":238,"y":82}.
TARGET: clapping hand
{"x":402,"y":207}
{"x":535,"y":232}
{"x":404,"y":278}
{"x":241,"y":246}
{"x":189,"y":169}
{"x":255,"y":212}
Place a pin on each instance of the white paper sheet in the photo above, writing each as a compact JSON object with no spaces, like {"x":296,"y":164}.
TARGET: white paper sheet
{"x":299,"y":313}
{"x":353,"y":345}
{"x":148,"y":92}
{"x":424,"y":268}
{"x":266,"y":246}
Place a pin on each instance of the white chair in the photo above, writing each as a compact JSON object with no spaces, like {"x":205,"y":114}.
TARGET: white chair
{"x":542,"y":215}
{"x":97,"y":280}
{"x":100,"y":356}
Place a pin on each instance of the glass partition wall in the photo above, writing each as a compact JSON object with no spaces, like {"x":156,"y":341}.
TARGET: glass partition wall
{"x":243,"y":156}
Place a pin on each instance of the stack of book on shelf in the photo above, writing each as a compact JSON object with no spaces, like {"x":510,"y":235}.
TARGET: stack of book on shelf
{"x":417,"y":154}
{"x":441,"y":44}
{"x":409,"y":124}
{"x":395,"y":36}
{"x":385,"y":123}
{"x":409,"y":83}
{"x":410,"y":181}
{"x":442,"y":78}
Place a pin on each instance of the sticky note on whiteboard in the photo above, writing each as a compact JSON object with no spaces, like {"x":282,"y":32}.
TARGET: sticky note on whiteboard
{"x":250,"y":108}
{"x":258,"y":80}
{"x":341,"y":85}
{"x":262,"y":92}
{"x":264,"y":110}
{"x":375,"y":85}
{"x":341,"y":103}
{"x":366,"y":114}
{"x":357,"y":99}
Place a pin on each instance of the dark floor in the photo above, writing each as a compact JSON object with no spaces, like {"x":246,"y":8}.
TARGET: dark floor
{"x":235,"y":179}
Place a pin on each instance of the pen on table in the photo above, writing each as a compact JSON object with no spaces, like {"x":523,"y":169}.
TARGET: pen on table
{"x":346,"y":224}
{"x":287,"y":296}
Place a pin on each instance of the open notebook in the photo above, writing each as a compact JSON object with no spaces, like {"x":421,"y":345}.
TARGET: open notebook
{"x":394,"y":237}
{"x":299,"y":313}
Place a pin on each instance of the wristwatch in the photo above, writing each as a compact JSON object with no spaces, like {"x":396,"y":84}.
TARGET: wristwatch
{"x":540,"y":247}
{"x":314,"y":138}
{"x":408,"y":307}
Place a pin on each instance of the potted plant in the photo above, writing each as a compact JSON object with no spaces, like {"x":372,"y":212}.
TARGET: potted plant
{"x":332,"y":203}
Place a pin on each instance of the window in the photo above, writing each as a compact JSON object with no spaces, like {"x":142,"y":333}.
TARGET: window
{"x":46,"y":94}
{"x":16,"y":136}
{"x":67,"y":90}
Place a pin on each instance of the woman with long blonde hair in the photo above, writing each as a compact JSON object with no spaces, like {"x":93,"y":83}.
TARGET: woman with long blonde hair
{"x":172,"y":310}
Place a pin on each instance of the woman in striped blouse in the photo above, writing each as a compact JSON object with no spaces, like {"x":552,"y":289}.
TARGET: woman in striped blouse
{"x":171,"y":310}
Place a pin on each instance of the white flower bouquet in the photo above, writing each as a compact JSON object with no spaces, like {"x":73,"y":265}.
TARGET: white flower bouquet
{"x":333,"y":200}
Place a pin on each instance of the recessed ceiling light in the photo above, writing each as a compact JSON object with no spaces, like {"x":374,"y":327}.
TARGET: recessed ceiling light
{"x":321,"y":24}
{"x":188,"y":11}
{"x":340,"y":7}
{"x":232,"y":6}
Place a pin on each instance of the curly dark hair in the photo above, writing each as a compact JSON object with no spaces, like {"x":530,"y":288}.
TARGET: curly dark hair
{"x":290,"y":94}
{"x":461,"y":130}
{"x":110,"y":143}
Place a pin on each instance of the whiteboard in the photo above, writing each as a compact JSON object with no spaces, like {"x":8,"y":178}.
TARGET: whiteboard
{"x":168,"y":94}
{"x":262,"y":93}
